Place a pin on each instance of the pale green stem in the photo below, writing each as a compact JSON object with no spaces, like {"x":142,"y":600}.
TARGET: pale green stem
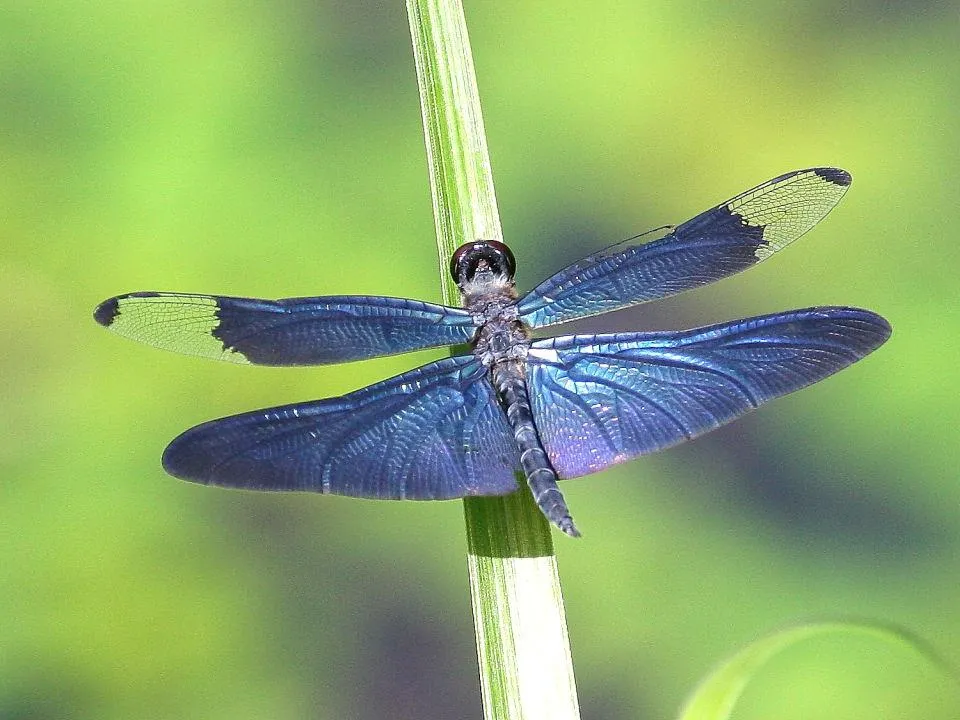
{"x":525,"y":666}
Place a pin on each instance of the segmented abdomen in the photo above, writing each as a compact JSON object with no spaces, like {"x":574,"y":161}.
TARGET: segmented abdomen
{"x":508,"y":378}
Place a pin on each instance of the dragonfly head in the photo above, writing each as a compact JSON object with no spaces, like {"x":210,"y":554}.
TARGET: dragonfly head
{"x":481,"y":263}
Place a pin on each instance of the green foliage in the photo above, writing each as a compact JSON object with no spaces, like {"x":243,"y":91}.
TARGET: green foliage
{"x":275,"y":149}
{"x":718,"y":693}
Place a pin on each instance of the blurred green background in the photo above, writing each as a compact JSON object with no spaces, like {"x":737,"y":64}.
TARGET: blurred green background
{"x":274,"y":149}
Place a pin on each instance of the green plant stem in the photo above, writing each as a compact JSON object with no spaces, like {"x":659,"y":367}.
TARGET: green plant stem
{"x":525,"y":666}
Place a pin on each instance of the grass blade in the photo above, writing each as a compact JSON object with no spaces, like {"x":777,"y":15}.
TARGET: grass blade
{"x":717,"y":694}
{"x":525,"y":665}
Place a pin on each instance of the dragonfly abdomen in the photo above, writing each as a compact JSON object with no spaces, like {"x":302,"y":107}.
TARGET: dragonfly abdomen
{"x":541,"y":477}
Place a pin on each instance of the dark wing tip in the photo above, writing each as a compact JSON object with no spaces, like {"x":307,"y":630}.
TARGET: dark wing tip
{"x":835,"y":175}
{"x":884,"y":329}
{"x":106,"y":312}
{"x":879,"y":322}
{"x":181,"y":461}
{"x":869,"y":331}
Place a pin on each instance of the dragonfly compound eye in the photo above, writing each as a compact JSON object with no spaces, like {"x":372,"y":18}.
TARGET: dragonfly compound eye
{"x":467,"y":258}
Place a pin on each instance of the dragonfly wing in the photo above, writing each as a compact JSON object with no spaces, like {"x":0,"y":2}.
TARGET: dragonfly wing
{"x":295,"y":331}
{"x":432,"y":433}
{"x":602,"y":399}
{"x":719,"y":242}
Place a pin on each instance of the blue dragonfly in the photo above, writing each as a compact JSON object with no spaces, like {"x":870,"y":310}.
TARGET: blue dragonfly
{"x":550,"y":408}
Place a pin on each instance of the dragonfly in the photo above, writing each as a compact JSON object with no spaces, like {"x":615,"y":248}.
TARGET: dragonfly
{"x":515,"y":406}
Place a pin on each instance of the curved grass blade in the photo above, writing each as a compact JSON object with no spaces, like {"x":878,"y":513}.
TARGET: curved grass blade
{"x":717,"y":694}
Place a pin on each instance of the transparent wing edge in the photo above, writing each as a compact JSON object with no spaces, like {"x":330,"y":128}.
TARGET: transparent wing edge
{"x":293,"y":331}
{"x":719,"y":242}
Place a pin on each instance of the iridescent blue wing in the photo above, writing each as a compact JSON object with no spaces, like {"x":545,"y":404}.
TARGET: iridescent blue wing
{"x":719,"y":242}
{"x":295,"y":331}
{"x":602,"y":399}
{"x":432,"y":433}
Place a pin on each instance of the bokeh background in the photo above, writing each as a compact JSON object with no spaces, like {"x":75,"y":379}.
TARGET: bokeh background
{"x":274,"y":149}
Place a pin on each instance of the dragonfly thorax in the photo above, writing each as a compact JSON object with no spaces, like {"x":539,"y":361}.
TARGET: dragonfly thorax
{"x":484,"y":273}
{"x":501,"y":340}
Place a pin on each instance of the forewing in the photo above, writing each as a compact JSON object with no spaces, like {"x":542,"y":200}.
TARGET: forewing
{"x":603,"y":399}
{"x":294,"y":331}
{"x":432,"y":433}
{"x":719,"y":242}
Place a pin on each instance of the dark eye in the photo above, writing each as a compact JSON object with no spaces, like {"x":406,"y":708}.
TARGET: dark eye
{"x":463,"y":264}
